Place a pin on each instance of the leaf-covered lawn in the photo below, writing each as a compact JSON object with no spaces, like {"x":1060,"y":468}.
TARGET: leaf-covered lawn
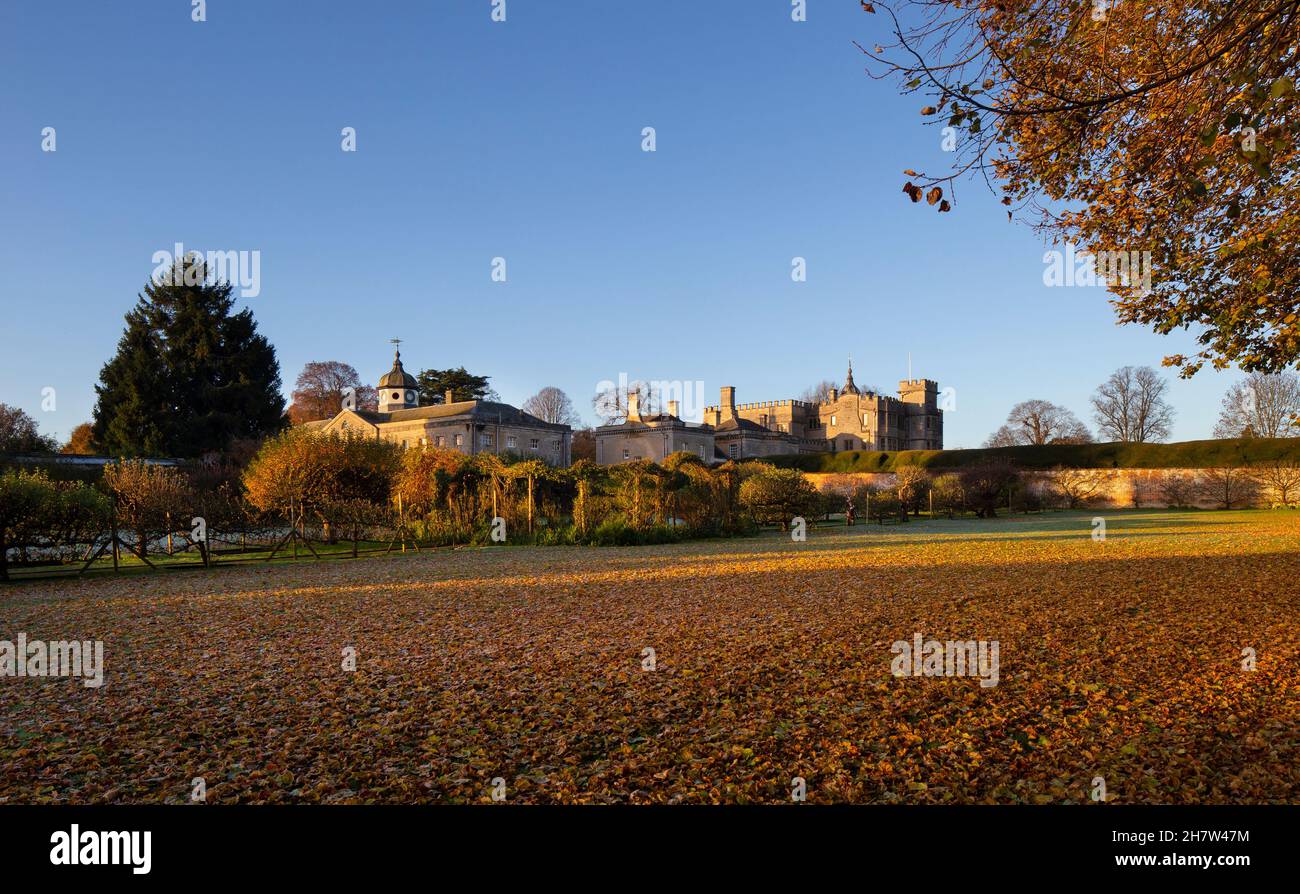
{"x":1120,"y":659}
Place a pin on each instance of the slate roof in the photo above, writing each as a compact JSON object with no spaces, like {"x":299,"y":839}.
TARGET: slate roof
{"x":482,"y":411}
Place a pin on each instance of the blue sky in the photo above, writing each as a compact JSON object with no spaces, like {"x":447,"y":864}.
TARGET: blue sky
{"x":522,"y":140}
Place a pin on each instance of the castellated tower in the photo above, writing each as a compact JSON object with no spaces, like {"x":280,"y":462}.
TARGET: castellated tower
{"x":924,"y":422}
{"x":919,"y":391}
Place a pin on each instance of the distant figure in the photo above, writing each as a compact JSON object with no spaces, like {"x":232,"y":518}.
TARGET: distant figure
{"x":849,"y":512}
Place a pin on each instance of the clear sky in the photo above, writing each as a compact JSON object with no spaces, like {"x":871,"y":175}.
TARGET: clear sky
{"x":523,"y":140}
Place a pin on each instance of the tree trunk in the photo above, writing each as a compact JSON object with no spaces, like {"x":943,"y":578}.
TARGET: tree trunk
{"x":530,"y":504}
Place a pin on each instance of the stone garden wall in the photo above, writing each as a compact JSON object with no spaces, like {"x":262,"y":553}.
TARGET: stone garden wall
{"x":1116,"y":488}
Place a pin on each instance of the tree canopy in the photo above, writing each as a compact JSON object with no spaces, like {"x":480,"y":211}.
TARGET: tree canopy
{"x":433,"y":385}
{"x":191,"y":374}
{"x":1039,"y":422}
{"x":322,"y":389}
{"x":1131,"y":406}
{"x":19,"y":433}
{"x":1166,"y":126}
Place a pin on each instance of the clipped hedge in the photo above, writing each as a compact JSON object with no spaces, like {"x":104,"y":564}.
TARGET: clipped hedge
{"x":1116,"y":455}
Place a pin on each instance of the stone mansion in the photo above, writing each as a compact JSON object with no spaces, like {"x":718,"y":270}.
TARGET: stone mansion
{"x":847,"y":419}
{"x":467,"y":426}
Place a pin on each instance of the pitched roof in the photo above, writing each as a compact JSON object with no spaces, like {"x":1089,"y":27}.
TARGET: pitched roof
{"x":485,"y":411}
{"x":738,"y":423}
{"x":661,"y":420}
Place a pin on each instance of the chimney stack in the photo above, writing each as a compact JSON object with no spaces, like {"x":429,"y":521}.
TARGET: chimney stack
{"x":633,"y":406}
{"x":728,"y":402}
{"x":446,"y":397}
{"x":672,"y":408}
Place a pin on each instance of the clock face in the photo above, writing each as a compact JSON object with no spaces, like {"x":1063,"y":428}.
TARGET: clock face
{"x":410,"y":397}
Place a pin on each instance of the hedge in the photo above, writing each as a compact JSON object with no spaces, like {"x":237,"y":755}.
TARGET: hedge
{"x":1116,"y":455}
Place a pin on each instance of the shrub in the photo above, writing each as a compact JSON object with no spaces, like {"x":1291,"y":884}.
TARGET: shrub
{"x":319,"y":473}
{"x":37,"y":512}
{"x":149,"y":500}
{"x":883,"y":503}
{"x":947,"y":494}
{"x":1116,"y":455}
{"x":776,"y":496}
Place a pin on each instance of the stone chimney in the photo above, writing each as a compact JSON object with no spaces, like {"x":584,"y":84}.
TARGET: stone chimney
{"x":728,"y":402}
{"x":672,"y":408}
{"x":633,"y":406}
{"x":447,"y":397}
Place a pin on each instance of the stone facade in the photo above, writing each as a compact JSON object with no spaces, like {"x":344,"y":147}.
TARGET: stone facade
{"x":652,"y":437}
{"x":467,"y":426}
{"x":848,"y":419}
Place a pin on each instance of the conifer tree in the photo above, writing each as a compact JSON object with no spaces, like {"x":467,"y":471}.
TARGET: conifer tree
{"x":190,"y":375}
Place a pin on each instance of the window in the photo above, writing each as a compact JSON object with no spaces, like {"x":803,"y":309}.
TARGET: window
{"x":397,"y":395}
{"x":533,"y":443}
{"x":864,"y":420}
{"x":424,"y":442}
{"x":512,"y":442}
{"x":702,"y":452}
{"x":733,"y":450}
{"x":460,"y":440}
{"x":626,"y":455}
{"x":832,"y":420}
{"x":486,"y":440}
{"x":403,"y":443}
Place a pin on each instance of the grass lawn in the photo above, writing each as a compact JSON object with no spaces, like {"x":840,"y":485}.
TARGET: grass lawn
{"x":1119,"y":658}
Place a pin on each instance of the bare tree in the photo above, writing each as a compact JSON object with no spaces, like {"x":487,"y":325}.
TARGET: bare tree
{"x":1261,"y":406}
{"x":1229,"y":486}
{"x":911,"y":483}
{"x":1131,"y":406}
{"x":1078,"y":487}
{"x":821,"y":392}
{"x":818,"y":393}
{"x":322,"y":388}
{"x":1281,"y":478}
{"x":1039,"y":422}
{"x":583,"y":445}
{"x":1180,"y":491}
{"x":552,"y":405}
{"x":987,"y":485}
{"x":611,"y":404}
